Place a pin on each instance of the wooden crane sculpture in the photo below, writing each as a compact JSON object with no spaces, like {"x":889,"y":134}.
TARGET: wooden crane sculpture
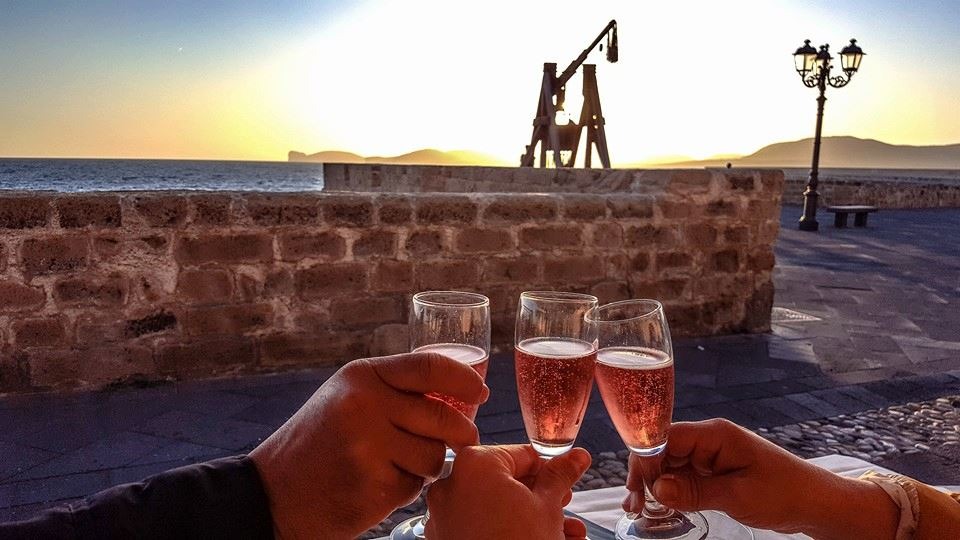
{"x":550,"y":136}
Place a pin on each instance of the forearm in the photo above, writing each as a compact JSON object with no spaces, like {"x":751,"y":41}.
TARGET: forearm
{"x":849,"y":508}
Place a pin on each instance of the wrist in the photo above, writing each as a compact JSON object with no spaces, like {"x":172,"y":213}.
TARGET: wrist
{"x":849,"y":508}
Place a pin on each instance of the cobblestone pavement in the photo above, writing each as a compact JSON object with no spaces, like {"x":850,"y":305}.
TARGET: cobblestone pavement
{"x":871,"y":329}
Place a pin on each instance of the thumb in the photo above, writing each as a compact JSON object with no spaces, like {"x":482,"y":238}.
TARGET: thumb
{"x":690,"y":492}
{"x":559,"y":474}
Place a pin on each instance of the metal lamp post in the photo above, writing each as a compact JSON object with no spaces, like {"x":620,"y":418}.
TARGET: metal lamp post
{"x":814,"y":68}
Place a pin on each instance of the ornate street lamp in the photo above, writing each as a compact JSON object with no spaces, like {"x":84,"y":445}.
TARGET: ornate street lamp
{"x":814,"y":68}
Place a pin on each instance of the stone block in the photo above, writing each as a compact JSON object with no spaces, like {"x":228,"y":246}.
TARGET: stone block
{"x":521,"y":208}
{"x":299,"y":245}
{"x":606,"y":236}
{"x":230,"y":319}
{"x":207,"y":356}
{"x":673,"y":259}
{"x":92,"y":291}
{"x":51,"y":368}
{"x":211,"y":210}
{"x":375,"y":244}
{"x":738,"y":182}
{"x":629,"y":206}
{"x":334,"y":348}
{"x":16,"y":296}
{"x":224,"y":248}
{"x":723,"y":207}
{"x":446,"y":210}
{"x":677,"y":209}
{"x":357,"y":312}
{"x":392,"y":276}
{"x":326,"y":280}
{"x":154,"y":323}
{"x":736,"y":234}
{"x":390,"y":339}
{"x":394,"y":210}
{"x":762,"y":260}
{"x":664,"y":290}
{"x":700,"y":235}
{"x":41,"y":332}
{"x":282,"y":209}
{"x":511,"y":270}
{"x":564,"y":270}
{"x":89,"y":210}
{"x":64,"y":253}
{"x":279,"y":282}
{"x":640,"y":262}
{"x":551,"y":237}
{"x":161,"y":210}
{"x":727,"y":260}
{"x":425,"y":242}
{"x":205,"y":286}
{"x":477,"y":240}
{"x":443,"y":275}
{"x":347,"y":210}
{"x":610,"y":291}
{"x":583,"y":207}
{"x":650,"y":235}
{"x":24,"y":212}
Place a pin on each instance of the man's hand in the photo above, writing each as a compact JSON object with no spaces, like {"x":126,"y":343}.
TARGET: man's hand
{"x":364,"y":443}
{"x":717,"y":465}
{"x":506,"y":492}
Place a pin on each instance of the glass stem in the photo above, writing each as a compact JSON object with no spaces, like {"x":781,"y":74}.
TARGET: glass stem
{"x":650,"y":468}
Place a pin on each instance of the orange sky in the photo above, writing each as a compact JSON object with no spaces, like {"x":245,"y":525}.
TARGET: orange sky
{"x":381,"y":78}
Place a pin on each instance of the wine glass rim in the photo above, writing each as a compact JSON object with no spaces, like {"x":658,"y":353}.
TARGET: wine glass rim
{"x":558,"y":296}
{"x":654,"y":307}
{"x":469,"y":299}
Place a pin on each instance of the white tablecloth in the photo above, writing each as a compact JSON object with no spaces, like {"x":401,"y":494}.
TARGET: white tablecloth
{"x":602,"y":506}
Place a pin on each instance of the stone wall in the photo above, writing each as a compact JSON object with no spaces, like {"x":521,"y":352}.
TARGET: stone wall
{"x":884,"y":192}
{"x":101,"y":288}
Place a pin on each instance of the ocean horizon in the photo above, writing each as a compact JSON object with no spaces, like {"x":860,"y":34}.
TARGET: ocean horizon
{"x":76,"y":175}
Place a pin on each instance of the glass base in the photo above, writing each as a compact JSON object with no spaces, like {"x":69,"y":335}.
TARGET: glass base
{"x":550,"y":450}
{"x":700,"y":525}
{"x":411,"y":529}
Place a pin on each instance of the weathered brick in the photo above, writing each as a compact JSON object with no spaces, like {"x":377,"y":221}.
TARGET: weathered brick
{"x":375,"y":244}
{"x":676,"y":209}
{"x":249,"y":285}
{"x":477,"y":240}
{"x":266,"y":210}
{"x":390,"y":339}
{"x":89,"y":210}
{"x":45,"y":332}
{"x":521,"y":207}
{"x":24,"y":212}
{"x":761,"y":260}
{"x":53,"y":255}
{"x":606,"y":235}
{"x":207,"y":285}
{"x":700,"y":235}
{"x":391,"y":276}
{"x":347,"y":210}
{"x":441,"y":275}
{"x":610,"y":291}
{"x":331,"y":349}
{"x":3,"y":257}
{"x":279,"y":283}
{"x":550,"y":237}
{"x":107,"y":246}
{"x":327,"y":280}
{"x":630,"y":206}
{"x":298,"y":245}
{"x":689,"y":181}
{"x":231,"y":319}
{"x":640,"y":262}
{"x":572,"y":269}
{"x":355,"y":312}
{"x":757,"y":313}
{"x":665,"y":290}
{"x":154,"y":323}
{"x":726,"y":261}
{"x":583,"y":207}
{"x":499,"y":270}
{"x":740,"y":182}
{"x":424,"y":242}
{"x":225,"y":248}
{"x":650,"y":235}
{"x":394,"y":210}
{"x":207,"y":356}
{"x":446,"y":209}
{"x":736,"y":234}
{"x":722,"y":208}
{"x":107,"y":291}
{"x":162,"y":210}
{"x":94,"y":366}
{"x":673,"y":259}
{"x":211,"y":210}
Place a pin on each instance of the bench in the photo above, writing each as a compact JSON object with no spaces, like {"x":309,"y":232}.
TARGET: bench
{"x":859,"y":212}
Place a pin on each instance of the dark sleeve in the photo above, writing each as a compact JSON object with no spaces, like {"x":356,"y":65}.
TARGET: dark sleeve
{"x":223,"y":498}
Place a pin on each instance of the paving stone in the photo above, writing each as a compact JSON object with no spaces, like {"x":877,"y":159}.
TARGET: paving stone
{"x":205,"y":430}
{"x":17,"y":458}
{"x":820,"y":407}
{"x":113,"y":451}
{"x":777,"y":411}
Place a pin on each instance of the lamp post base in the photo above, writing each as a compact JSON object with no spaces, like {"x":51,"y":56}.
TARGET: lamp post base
{"x":809,"y":225}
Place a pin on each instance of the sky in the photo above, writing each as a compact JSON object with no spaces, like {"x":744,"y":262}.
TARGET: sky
{"x":252,"y":80}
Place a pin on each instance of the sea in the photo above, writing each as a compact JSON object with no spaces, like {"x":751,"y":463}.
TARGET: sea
{"x":81,"y":175}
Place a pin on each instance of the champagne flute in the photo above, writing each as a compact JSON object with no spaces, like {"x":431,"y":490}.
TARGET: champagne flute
{"x":636,"y":379}
{"x":456,"y":325}
{"x":554,"y":358}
